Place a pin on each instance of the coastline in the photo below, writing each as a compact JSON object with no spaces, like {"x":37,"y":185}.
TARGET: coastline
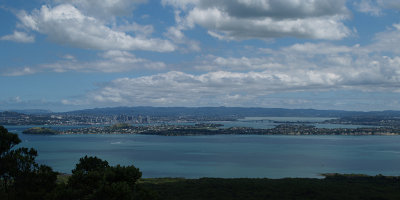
{"x":214,"y":129}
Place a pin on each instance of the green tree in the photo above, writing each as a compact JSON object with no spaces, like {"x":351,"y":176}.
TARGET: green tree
{"x":93,"y":178}
{"x":21,"y":176}
{"x":88,"y":164}
{"x":7,"y":141}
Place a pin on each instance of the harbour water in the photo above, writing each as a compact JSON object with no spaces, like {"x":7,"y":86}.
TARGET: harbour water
{"x":226,"y":156}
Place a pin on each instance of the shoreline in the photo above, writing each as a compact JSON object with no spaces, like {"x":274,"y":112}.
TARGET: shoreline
{"x":214,"y":129}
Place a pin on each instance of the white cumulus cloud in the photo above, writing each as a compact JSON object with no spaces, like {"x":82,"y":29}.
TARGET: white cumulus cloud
{"x":261,"y":19}
{"x":65,"y":24}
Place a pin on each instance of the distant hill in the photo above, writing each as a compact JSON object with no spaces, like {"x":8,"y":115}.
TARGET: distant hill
{"x":229,"y":111}
{"x":12,"y":114}
{"x":207,"y":111}
{"x":31,"y":111}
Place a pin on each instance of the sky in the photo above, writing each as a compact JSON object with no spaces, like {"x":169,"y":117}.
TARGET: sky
{"x":63,"y":55}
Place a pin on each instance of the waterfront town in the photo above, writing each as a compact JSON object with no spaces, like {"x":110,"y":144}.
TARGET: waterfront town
{"x":197,"y":124}
{"x":216,"y":129}
{"x":14,"y":118}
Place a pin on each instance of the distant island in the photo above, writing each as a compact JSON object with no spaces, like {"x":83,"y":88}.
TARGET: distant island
{"x":40,"y":131}
{"x":216,"y":129}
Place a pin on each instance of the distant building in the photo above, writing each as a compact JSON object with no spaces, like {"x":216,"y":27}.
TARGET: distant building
{"x":148,"y":119}
{"x":140,"y":119}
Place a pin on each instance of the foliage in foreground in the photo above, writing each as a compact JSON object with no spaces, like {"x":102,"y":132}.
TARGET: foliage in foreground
{"x":93,"y":178}
{"x":332,"y":187}
{"x":22,"y":178}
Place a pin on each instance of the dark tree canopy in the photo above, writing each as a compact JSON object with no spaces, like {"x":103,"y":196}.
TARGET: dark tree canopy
{"x":7,"y":141}
{"x":87,"y":164}
{"x":93,"y":178}
{"x":21,"y":177}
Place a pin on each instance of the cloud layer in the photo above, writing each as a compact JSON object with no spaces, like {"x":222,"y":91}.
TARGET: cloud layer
{"x":302,"y":67}
{"x":186,"y":67}
{"x":109,"y":62}
{"x":237,"y":88}
{"x":112,"y":61}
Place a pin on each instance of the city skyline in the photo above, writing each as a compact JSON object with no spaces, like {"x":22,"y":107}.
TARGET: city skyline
{"x":71,"y":55}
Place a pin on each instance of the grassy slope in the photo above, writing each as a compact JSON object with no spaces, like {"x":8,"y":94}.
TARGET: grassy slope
{"x":332,"y":187}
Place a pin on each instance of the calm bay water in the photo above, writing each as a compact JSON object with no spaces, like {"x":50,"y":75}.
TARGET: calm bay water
{"x":223,"y":156}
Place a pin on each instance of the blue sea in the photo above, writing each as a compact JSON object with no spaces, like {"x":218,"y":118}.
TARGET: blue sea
{"x":226,"y":156}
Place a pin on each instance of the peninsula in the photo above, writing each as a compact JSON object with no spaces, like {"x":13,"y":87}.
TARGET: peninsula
{"x":40,"y":131}
{"x":217,"y":129}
